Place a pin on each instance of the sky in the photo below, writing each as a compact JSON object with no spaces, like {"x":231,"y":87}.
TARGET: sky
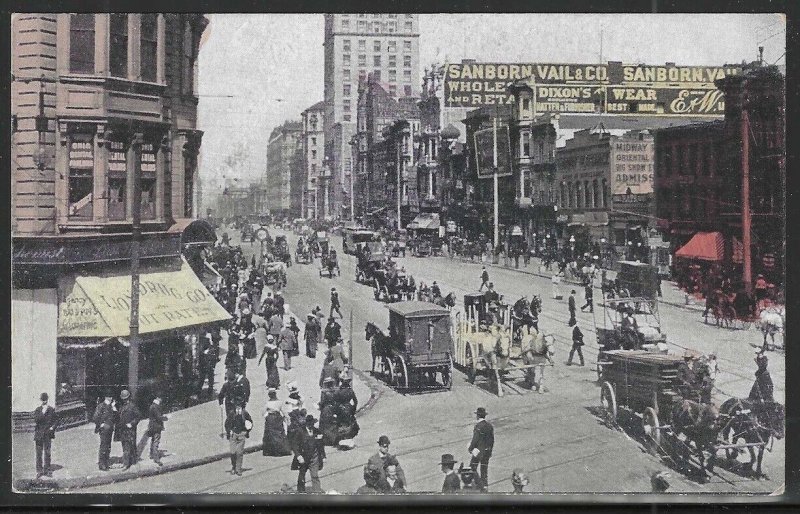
{"x":258,"y":70}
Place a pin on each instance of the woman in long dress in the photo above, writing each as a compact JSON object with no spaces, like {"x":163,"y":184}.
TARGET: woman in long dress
{"x":271,"y":354}
{"x":276,"y":444}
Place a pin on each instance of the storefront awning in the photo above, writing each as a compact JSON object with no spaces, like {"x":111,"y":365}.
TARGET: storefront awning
{"x":709,"y":246}
{"x":94,"y":306}
{"x":426,"y":222}
{"x":193,"y":231}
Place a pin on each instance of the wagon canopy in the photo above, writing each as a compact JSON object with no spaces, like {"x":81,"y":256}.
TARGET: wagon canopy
{"x":709,"y":246}
{"x":415,"y":309}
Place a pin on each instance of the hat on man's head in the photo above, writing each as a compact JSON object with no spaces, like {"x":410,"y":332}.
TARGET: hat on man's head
{"x":329,"y":380}
{"x":481,"y":412}
{"x":310,"y":316}
{"x":125,"y":394}
{"x":572,"y":292}
{"x":44,"y":397}
{"x":383,"y":440}
{"x":448,"y":458}
{"x":292,"y":386}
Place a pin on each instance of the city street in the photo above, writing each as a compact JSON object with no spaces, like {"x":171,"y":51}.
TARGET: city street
{"x":558,"y":438}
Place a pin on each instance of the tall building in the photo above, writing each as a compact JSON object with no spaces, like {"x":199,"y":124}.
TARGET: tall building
{"x":385,"y":45}
{"x":96,"y":101}
{"x":313,"y":151}
{"x":284,"y":150}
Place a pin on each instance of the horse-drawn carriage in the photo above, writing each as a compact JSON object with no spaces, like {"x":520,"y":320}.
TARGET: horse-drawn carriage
{"x":274,"y":273}
{"x":329,"y":264}
{"x":675,"y":420}
{"x":418,"y":348}
{"x":280,"y":249}
{"x":486,"y":345}
{"x":370,"y":259}
{"x":319,"y":243}
{"x":391,"y":285}
{"x":303,"y":254}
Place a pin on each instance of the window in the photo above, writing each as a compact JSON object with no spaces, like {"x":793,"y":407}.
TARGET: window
{"x":346,"y":105}
{"x":406,"y":61}
{"x":578,"y":195}
{"x":407,"y":90}
{"x":346,"y":59}
{"x":118,"y":59}
{"x":362,"y":25}
{"x":362,"y":60}
{"x":409,"y":26}
{"x":570,"y":196}
{"x":605,"y":193}
{"x":362,"y":44}
{"x":406,"y":75}
{"x":392,"y":90}
{"x":392,"y":28}
{"x":595,"y":194}
{"x":346,"y":73}
{"x":376,"y":46}
{"x":346,"y":117}
{"x":392,"y":75}
{"x":189,"y":60}
{"x":392,"y":16}
{"x":410,"y":16}
{"x":407,"y":45}
{"x":376,"y":15}
{"x":117,"y":180}
{"x":313,"y":154}
{"x":346,"y":45}
{"x":188,"y":185}
{"x":587,"y":201}
{"x":526,"y":104}
{"x":81,"y":177}
{"x":148,"y":181}
{"x":149,"y":47}
{"x":362,"y":15}
{"x":377,"y":75}
{"x":376,"y":27}
{"x":313,"y":141}
{"x":362,"y":74}
{"x":81,"y":43}
{"x":345,"y":24}
{"x":392,"y":46}
{"x":346,"y":89}
{"x":526,"y":145}
{"x":392,"y":61}
{"x":376,"y":60}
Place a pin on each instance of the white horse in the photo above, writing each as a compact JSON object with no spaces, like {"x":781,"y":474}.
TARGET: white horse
{"x":537,"y":350}
{"x":771,"y":321}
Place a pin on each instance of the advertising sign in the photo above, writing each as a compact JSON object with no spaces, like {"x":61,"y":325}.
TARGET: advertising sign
{"x":613,"y":88}
{"x":484,"y":151}
{"x":632,"y":166}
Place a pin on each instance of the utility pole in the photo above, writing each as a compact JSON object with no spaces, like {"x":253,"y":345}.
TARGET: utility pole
{"x":399,"y":154}
{"x":494,"y":179}
{"x":136,"y":235}
{"x":747,"y":265}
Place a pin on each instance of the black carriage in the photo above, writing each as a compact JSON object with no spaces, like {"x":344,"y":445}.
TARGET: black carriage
{"x":303,"y":254}
{"x":329,"y":264}
{"x":281,"y":250}
{"x":370,"y":260}
{"x":418,"y":349}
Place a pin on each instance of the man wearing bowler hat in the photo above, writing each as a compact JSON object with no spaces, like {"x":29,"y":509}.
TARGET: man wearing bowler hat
{"x":104,"y":418}
{"x":129,"y":417}
{"x":45,"y":418}
{"x":452,"y":484}
{"x":383,"y":459}
{"x":481,"y":446}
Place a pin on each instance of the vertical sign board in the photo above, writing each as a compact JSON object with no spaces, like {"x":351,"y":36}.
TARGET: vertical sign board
{"x":484,"y":152}
{"x":632,"y":165}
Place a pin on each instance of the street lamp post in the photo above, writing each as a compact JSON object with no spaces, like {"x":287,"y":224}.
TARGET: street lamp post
{"x":136,"y":234}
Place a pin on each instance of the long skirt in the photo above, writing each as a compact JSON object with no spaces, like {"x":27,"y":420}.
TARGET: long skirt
{"x":273,"y":379}
{"x":276,"y":444}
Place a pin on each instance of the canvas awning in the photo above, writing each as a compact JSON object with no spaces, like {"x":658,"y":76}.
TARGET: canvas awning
{"x":426,"y":222}
{"x":99,"y":306}
{"x":709,"y":246}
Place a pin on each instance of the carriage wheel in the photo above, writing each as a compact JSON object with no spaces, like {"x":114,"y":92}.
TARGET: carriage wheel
{"x":609,"y":401}
{"x":652,"y":432}
{"x":498,"y":382}
{"x":403,"y":372}
{"x":599,"y":368}
{"x":388,"y":368}
{"x":447,"y":374}
{"x":470,"y":364}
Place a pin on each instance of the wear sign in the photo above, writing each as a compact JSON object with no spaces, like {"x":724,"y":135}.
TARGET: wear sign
{"x":632,"y":166}
{"x":100,"y":306}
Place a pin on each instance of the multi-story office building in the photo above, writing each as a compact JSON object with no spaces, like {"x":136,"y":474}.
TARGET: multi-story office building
{"x":313,"y":153}
{"x":283,"y":152}
{"x":97,"y":102}
{"x":384,"y":45}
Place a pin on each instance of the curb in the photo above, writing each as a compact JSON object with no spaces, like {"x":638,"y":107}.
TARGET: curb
{"x":690,"y":307}
{"x":36,"y":485}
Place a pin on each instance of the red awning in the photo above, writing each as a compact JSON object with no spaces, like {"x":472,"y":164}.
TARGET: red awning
{"x":709,"y":246}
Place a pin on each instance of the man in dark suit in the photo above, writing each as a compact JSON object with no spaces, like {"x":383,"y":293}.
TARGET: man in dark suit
{"x":155,"y":426}
{"x":577,"y":343}
{"x":452,"y":484}
{"x":104,"y":420}
{"x":571,"y":306}
{"x":129,"y":417}
{"x":238,"y":426}
{"x":481,"y":446}
{"x":309,"y":454}
{"x":45,"y":418}
{"x":240,"y":390}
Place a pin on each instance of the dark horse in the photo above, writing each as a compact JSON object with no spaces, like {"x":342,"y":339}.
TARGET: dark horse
{"x":448,"y":301}
{"x":700,"y":424}
{"x":755,"y":422}
{"x":380,"y":343}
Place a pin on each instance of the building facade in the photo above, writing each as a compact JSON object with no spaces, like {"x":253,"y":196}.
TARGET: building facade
{"x":313,"y":120}
{"x":284,"y":150}
{"x":97,"y":101}
{"x":385,"y":45}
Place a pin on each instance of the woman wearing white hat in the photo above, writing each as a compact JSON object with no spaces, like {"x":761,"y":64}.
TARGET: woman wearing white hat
{"x":275,"y":443}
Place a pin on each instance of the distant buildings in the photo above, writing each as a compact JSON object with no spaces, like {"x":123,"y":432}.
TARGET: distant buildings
{"x":285,"y":163}
{"x":384,"y":45}
{"x":315,"y":182}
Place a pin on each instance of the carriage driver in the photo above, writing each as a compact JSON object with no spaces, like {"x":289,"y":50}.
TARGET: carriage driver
{"x":435,"y":291}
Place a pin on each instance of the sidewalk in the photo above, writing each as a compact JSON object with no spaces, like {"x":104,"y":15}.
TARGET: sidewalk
{"x":671,"y":294}
{"x":192,"y":436}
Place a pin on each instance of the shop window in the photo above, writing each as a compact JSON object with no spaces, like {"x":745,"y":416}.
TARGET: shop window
{"x":117,"y":180}
{"x":118,"y":58}
{"x":149,"y":47}
{"x":81,"y":43}
{"x":148,"y":182}
{"x":70,"y":376}
{"x":81,"y":177}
